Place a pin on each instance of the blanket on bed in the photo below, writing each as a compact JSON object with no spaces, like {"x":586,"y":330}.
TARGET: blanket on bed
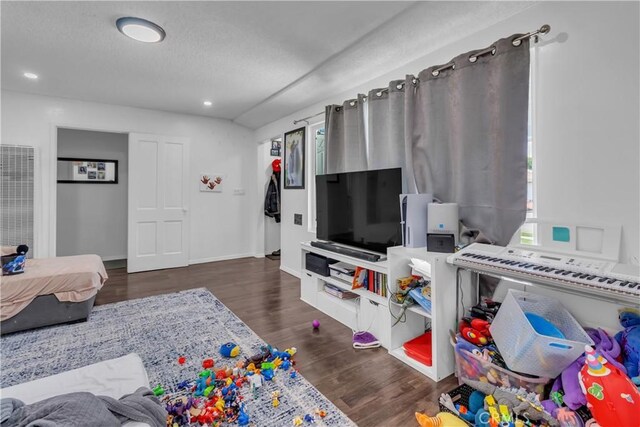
{"x":70,"y":278}
{"x":83,"y":409}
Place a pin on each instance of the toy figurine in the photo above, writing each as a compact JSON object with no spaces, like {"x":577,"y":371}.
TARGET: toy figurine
{"x":158,"y":390}
{"x":441,"y":419}
{"x":629,"y":340}
{"x":274,"y":399}
{"x":297,"y":421}
{"x":229,"y":350}
{"x":243,"y":418}
{"x":611,"y":396}
{"x":207,"y":363}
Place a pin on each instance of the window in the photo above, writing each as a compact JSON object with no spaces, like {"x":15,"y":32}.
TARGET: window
{"x":531,"y":212}
{"x":528,"y":231}
{"x":317,"y":164}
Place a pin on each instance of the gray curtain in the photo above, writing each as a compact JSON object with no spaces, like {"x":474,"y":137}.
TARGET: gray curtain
{"x":467,"y":130}
{"x":345,"y":140}
{"x":386,"y":126}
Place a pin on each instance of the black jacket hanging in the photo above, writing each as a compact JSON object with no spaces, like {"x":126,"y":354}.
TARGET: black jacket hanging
{"x":272,"y":199}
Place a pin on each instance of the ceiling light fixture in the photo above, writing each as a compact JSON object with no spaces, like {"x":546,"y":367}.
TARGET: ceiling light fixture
{"x":140,"y":29}
{"x":208,"y":103}
{"x":31,"y":76}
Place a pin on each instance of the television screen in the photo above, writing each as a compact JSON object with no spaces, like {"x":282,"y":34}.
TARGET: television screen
{"x":360,"y":208}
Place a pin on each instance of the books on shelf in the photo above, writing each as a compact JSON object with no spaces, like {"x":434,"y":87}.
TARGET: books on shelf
{"x":370,"y":280}
{"x":339,"y":293}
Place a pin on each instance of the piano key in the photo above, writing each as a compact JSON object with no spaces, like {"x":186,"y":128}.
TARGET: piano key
{"x":623,"y":284}
{"x":633,"y":285}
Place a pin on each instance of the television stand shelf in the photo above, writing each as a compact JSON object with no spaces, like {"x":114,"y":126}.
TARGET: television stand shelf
{"x":372,"y":312}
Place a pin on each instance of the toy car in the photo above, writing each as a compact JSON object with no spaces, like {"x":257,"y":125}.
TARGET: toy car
{"x":15,"y":266}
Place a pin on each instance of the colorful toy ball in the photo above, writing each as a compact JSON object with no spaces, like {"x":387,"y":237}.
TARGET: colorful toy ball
{"x":207,"y":363}
{"x":181,"y":360}
{"x":229,"y":350}
{"x":315,"y":324}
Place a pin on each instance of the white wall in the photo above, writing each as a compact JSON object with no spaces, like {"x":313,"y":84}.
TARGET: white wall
{"x":218,"y":220}
{"x":84,"y":210}
{"x":585,"y":121}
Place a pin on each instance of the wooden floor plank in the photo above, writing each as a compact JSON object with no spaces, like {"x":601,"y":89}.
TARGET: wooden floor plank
{"x":370,"y":386}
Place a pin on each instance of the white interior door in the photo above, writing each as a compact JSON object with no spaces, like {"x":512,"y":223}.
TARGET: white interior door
{"x":158,"y":202}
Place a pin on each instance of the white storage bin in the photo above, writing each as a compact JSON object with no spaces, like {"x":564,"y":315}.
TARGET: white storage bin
{"x":523,"y":349}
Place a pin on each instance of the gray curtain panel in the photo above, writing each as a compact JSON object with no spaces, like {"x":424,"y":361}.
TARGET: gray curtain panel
{"x":467,"y":129}
{"x":345,"y":140}
{"x":386,"y":126}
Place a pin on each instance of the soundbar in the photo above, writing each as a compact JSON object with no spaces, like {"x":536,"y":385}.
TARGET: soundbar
{"x":614,"y":281}
{"x":367,"y":256}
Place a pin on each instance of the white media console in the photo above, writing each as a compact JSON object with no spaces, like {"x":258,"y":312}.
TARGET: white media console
{"x":372,"y":312}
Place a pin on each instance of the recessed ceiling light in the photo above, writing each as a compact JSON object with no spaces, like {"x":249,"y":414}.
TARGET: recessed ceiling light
{"x":208,"y":103}
{"x":31,"y":76}
{"x":140,"y":29}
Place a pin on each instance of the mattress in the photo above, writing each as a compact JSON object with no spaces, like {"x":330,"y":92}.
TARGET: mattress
{"x":113,"y":378}
{"x":70,"y":279}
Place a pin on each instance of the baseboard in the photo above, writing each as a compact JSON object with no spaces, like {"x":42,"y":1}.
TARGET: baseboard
{"x":114,"y":258}
{"x":258,"y":255}
{"x":291,"y":271}
{"x":218,"y":258}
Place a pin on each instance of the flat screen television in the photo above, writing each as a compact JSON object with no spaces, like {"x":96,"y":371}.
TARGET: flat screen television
{"x":360,"y":209}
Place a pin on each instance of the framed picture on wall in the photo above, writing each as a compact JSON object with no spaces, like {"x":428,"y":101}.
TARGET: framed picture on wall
{"x":294,"y":142}
{"x":87,"y":171}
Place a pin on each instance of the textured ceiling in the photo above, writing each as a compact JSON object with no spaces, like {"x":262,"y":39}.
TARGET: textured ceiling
{"x":257,"y":61}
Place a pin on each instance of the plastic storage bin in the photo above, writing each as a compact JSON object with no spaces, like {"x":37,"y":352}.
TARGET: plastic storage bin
{"x":473,"y":367}
{"x":523,"y":349}
{"x":419,"y":348}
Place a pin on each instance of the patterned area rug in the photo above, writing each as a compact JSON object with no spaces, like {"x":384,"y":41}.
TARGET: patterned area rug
{"x":160,"y":329}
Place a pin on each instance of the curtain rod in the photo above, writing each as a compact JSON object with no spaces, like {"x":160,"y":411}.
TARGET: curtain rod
{"x":545,"y":29}
{"x":306,"y":119}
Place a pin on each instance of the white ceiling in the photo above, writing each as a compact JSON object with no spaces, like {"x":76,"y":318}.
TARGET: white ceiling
{"x":257,"y":61}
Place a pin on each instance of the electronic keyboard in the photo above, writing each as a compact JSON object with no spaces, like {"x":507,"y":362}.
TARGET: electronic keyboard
{"x":599,"y":277}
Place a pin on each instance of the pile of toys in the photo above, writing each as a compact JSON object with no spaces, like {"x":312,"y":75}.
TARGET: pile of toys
{"x":599,"y":388}
{"x":411,"y":290}
{"x":216,"y":398}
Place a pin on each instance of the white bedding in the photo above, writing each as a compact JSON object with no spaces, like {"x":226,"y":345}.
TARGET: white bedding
{"x":114,"y":378}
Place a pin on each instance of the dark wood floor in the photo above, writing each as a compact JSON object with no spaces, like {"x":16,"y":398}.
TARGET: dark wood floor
{"x":370,"y":386}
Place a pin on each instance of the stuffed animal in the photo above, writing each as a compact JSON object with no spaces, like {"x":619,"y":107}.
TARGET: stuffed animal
{"x":229,"y":350}
{"x":441,"y":419}
{"x":629,"y":340}
{"x":476,"y":331}
{"x":567,"y":383}
{"x":611,"y":396}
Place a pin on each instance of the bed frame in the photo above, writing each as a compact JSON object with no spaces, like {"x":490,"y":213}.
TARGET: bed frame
{"x":46,"y":310}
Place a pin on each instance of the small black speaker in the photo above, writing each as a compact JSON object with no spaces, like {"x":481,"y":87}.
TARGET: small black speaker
{"x":318,"y":264}
{"x":444,"y":243}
